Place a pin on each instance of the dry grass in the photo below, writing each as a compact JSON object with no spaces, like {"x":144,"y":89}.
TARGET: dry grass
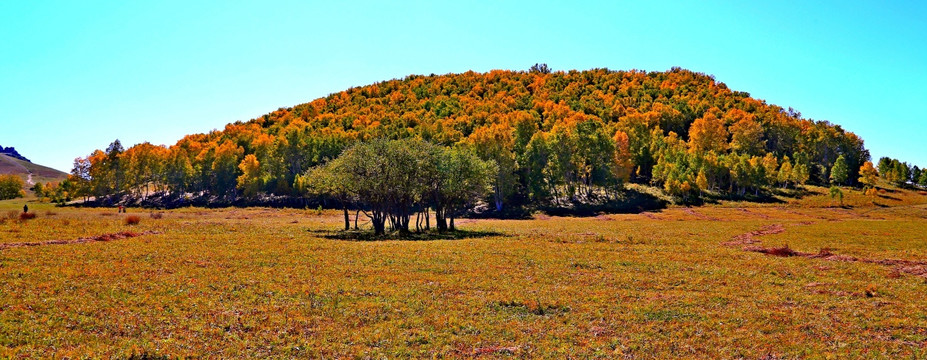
{"x":254,"y":283}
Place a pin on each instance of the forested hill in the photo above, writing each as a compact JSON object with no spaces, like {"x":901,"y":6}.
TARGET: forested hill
{"x":554,"y":135}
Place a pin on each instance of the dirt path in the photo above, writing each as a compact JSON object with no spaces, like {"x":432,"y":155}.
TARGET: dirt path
{"x":104,"y":237}
{"x":29,"y":179}
{"x":912,"y":267}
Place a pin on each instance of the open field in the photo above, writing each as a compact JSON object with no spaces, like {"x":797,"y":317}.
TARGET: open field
{"x":268,"y":283}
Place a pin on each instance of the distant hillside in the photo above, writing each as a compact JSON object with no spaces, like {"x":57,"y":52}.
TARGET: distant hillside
{"x":557,"y":136}
{"x":29,"y":171}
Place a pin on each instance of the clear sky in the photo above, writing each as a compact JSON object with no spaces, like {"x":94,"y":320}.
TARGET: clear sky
{"x":74,"y":75}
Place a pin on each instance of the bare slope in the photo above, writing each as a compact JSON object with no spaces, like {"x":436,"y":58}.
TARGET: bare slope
{"x":29,"y":171}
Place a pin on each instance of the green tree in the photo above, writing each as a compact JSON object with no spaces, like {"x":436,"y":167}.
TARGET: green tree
{"x":460,"y":180}
{"x":38,"y":189}
{"x":330,"y":180}
{"x":839,"y":172}
{"x":885,"y":165}
{"x":800,"y":174}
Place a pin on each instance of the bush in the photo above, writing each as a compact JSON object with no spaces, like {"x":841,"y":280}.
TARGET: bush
{"x":156,"y":215}
{"x":26,"y":216}
{"x":132,"y":220}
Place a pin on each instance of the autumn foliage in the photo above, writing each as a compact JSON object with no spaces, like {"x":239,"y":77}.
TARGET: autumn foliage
{"x":557,"y":137}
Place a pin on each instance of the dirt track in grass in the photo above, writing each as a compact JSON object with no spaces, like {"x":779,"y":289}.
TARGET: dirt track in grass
{"x":104,"y":237}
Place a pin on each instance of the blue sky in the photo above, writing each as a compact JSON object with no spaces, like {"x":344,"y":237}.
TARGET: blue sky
{"x":74,"y":75}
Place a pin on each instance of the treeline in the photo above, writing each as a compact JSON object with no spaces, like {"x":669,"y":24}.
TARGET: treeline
{"x":555,"y":138}
{"x":902,"y":173}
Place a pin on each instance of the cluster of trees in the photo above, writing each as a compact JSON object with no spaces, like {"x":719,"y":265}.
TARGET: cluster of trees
{"x":901,"y":173}
{"x":392,"y":180}
{"x":57,"y":192}
{"x":11,"y":187}
{"x":555,"y":138}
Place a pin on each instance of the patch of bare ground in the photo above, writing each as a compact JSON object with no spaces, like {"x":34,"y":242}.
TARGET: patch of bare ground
{"x":650,"y":215}
{"x":700,"y":216}
{"x":750,"y":237}
{"x":760,"y":215}
{"x":104,"y":237}
{"x":911,"y":267}
{"x":491,"y":351}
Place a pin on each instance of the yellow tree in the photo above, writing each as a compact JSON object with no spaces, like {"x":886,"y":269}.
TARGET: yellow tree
{"x":868,"y":176}
{"x":623,"y":166}
{"x":701,"y":181}
{"x":771,"y":166}
{"x":495,"y":142}
{"x":250,"y":181}
{"x":746,"y":136}
{"x":707,"y":133}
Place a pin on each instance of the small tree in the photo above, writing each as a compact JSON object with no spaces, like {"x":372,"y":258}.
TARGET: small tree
{"x":800,"y":174}
{"x":38,"y":189}
{"x":785,"y":172}
{"x":249,"y":182}
{"x":868,"y":175}
{"x":539,"y":68}
{"x":330,"y":180}
{"x":839,"y":172}
{"x":701,"y":181}
{"x":461,"y":179}
{"x":835,"y":192}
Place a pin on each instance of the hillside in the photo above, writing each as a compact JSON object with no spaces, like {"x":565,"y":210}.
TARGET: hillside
{"x":30,"y":172}
{"x":558,"y":138}
{"x":11,"y":152}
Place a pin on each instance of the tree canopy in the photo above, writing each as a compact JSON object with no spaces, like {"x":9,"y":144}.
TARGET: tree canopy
{"x":554,"y":136}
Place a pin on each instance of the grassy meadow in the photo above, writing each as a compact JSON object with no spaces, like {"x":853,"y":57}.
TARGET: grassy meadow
{"x":256,"y":282}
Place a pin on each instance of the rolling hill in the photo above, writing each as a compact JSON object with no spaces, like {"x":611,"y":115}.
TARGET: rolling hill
{"x":28,"y":171}
{"x":557,"y":136}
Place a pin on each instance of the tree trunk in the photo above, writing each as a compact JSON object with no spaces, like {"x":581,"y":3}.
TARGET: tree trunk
{"x":418,"y":221}
{"x":427,"y":219}
{"x":440,"y":220}
{"x":347,"y":218}
{"x":378,"y":220}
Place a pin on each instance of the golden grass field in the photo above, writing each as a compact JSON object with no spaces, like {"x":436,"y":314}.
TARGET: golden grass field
{"x":255,"y":282}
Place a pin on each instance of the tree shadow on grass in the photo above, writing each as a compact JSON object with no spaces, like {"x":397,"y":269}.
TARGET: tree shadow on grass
{"x":431,"y":235}
{"x":631,"y":202}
